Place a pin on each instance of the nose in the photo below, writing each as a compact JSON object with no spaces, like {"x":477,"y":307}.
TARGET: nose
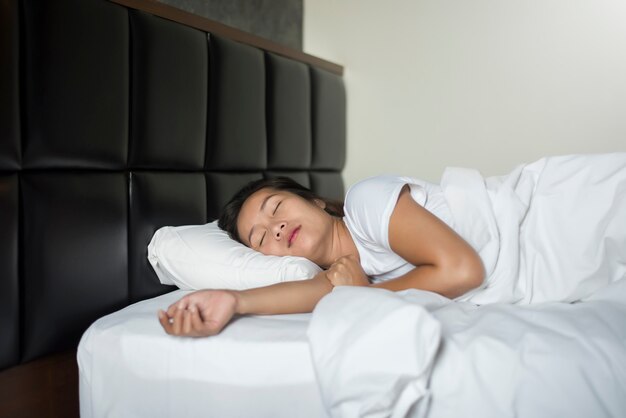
{"x":278,"y":229}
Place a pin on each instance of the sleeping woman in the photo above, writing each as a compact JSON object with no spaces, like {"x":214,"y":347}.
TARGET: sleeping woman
{"x":551,"y":230}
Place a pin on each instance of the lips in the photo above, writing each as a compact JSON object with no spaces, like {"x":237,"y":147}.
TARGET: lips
{"x":293,"y":235}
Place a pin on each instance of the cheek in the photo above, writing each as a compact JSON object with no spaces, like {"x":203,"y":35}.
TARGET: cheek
{"x":272,"y":249}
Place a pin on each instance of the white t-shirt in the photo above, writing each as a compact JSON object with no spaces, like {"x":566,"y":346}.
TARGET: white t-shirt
{"x":368,"y":207}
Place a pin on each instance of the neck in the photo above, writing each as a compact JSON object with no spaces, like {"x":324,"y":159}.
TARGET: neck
{"x":342,"y":243}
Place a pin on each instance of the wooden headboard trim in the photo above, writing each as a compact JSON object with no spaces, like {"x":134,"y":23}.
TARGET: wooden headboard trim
{"x":177,"y":15}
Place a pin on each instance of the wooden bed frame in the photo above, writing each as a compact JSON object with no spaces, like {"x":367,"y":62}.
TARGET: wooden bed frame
{"x":116,"y":118}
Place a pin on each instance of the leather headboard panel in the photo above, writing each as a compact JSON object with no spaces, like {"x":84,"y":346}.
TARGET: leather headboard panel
{"x":75,"y":77}
{"x":74,"y":254}
{"x":329,"y":121}
{"x":10,"y":156}
{"x":117,"y":122}
{"x":288,"y":114}
{"x":9,"y":296}
{"x":169,"y":94}
{"x":237,"y":132}
{"x":157,"y":199}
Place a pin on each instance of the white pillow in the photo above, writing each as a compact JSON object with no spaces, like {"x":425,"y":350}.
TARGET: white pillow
{"x":205,"y":257}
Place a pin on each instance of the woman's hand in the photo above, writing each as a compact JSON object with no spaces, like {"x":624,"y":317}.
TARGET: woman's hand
{"x":347,"y":271}
{"x":199,"y":314}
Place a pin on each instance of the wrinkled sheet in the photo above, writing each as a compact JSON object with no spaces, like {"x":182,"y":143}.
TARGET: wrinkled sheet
{"x":551,"y":230}
{"x":417,"y":354}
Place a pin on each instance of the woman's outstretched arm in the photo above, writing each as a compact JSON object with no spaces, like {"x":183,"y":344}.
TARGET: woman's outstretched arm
{"x":283,"y":298}
{"x":206,"y":312}
{"x":445,"y":262}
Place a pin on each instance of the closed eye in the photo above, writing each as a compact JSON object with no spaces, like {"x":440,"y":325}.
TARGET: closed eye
{"x":262,"y":238}
{"x":276,"y":208}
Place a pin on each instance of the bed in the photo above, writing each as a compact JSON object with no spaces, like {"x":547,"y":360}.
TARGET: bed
{"x":125,"y":116}
{"x":415,"y":354}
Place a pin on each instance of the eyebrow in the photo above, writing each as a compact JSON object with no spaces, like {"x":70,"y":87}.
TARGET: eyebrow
{"x":260,"y":210}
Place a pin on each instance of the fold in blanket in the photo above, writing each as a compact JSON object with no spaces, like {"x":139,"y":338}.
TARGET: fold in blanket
{"x":373,"y":351}
{"x":551,"y":230}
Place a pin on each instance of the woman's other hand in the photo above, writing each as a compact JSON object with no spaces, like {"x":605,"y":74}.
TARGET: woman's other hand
{"x":347,"y":271}
{"x":199,"y":314}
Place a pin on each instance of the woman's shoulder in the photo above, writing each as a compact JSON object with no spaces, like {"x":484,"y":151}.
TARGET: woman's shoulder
{"x":375,"y":196}
{"x":369,"y":204}
{"x":373,"y":184}
{"x":379,"y":187}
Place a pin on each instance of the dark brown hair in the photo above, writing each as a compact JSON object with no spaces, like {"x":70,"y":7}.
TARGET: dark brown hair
{"x":230,"y":212}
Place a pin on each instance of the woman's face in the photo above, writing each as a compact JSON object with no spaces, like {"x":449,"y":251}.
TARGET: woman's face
{"x":281,"y":223}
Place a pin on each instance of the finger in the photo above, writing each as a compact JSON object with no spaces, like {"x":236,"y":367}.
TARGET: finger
{"x":330,"y":276}
{"x":184,"y":302}
{"x":177,"y":322}
{"x":165,"y":321}
{"x":186,"y":322}
{"x":340,"y":271}
{"x":171,"y":311}
{"x":196,"y":322}
{"x":336,"y":280}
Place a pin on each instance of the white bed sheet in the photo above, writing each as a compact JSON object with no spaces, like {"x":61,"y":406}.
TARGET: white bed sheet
{"x":259,"y":366}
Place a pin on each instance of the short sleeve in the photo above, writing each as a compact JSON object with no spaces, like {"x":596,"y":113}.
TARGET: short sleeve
{"x":370,"y":203}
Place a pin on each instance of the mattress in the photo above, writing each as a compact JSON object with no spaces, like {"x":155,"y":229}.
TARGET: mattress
{"x":259,"y":366}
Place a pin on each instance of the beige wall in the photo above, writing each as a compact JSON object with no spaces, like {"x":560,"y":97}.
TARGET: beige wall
{"x":484,"y":83}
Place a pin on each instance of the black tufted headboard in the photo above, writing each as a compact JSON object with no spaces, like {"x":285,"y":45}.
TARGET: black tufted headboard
{"x":114,"y":122}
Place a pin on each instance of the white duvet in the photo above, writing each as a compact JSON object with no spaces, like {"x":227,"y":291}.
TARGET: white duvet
{"x":551,"y":230}
{"x":413,"y":353}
